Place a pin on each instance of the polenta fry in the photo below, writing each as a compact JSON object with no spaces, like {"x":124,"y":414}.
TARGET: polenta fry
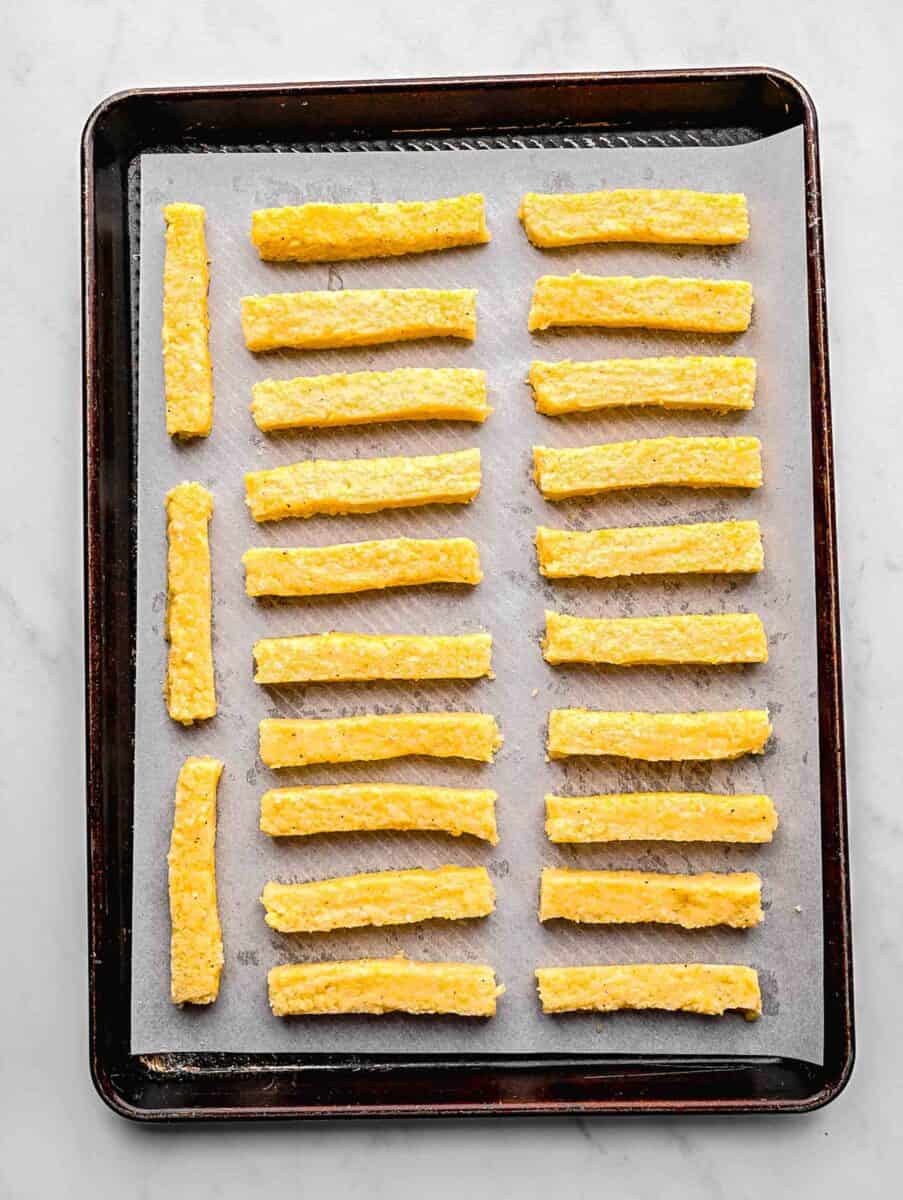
{"x":320,"y":232}
{"x":660,"y":817}
{"x":694,"y":462}
{"x":330,"y":320}
{"x":189,"y":689}
{"x":670,"y":987}
{"x":367,"y":807}
{"x":381,"y":985}
{"x":656,"y":302}
{"x":362,"y":485}
{"x":371,"y":397}
{"x":187,"y":371}
{"x":658,"y":215}
{"x":379,"y":898}
{"x":290,"y":742}
{"x":722,"y":547}
{"x":196,"y":949}
{"x":717,"y":382}
{"x":356,"y":657}
{"x":628,"y":641}
{"x":651,"y":897}
{"x":656,"y":736}
{"x":360,"y":566}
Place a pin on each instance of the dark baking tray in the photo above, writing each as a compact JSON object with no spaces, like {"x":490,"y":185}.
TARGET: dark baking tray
{"x":707,"y":107}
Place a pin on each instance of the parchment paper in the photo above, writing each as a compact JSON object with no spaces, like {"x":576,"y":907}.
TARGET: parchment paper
{"x":786,"y":948}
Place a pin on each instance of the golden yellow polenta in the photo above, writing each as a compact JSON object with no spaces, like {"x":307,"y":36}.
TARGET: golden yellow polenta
{"x":196,"y":949}
{"x":718,"y":382}
{"x":656,"y":302}
{"x":319,"y":232}
{"x":187,"y":371}
{"x":379,"y":898}
{"x":660,"y":817}
{"x":288,"y":742}
{"x":695,"y":462}
{"x":628,"y":641}
{"x":362,"y":485}
{"x":381,"y":985}
{"x":360,"y":566}
{"x":719,"y":547}
{"x":657,"y":736}
{"x":371,"y":397}
{"x":707,"y":988}
{"x":355,"y":657}
{"x":331,"y":320}
{"x":356,"y":807}
{"x":189,"y":689}
{"x":651,"y":897}
{"x":658,"y":215}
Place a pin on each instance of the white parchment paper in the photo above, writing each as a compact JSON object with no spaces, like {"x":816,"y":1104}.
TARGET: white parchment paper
{"x":786,"y":948}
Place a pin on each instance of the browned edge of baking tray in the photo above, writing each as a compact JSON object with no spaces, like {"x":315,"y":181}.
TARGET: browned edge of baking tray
{"x":664,"y":107}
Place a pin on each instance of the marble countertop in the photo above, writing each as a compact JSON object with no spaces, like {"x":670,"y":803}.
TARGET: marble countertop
{"x":57,"y":60}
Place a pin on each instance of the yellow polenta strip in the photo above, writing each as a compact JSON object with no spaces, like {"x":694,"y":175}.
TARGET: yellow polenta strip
{"x":640,"y":897}
{"x":720,"y":547}
{"x":654,"y":302}
{"x":704,"y":988}
{"x":196,"y":950}
{"x":354,"y":807}
{"x":291,"y":742}
{"x":695,"y":462}
{"x":379,"y":898}
{"x":330,"y":320}
{"x":381,"y":985}
{"x":335,"y":232}
{"x":362,"y":485}
{"x":660,"y":817}
{"x":187,"y":373}
{"x":371,"y":397}
{"x":625,"y":641}
{"x":353,"y":657}
{"x":189,"y":689}
{"x":658,"y":737}
{"x":718,"y":382}
{"x":635,"y":215}
{"x":360,"y":566}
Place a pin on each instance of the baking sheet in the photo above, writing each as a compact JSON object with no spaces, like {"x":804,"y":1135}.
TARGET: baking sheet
{"x":787,"y":947}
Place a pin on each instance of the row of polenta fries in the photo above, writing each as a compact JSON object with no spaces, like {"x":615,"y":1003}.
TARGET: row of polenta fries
{"x":315,"y":320}
{"x":718,"y":383}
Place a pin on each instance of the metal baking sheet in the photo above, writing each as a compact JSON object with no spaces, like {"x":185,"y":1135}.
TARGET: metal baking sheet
{"x":787,"y":948}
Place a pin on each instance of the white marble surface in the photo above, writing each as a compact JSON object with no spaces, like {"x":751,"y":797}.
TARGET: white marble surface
{"x":56,"y":61}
